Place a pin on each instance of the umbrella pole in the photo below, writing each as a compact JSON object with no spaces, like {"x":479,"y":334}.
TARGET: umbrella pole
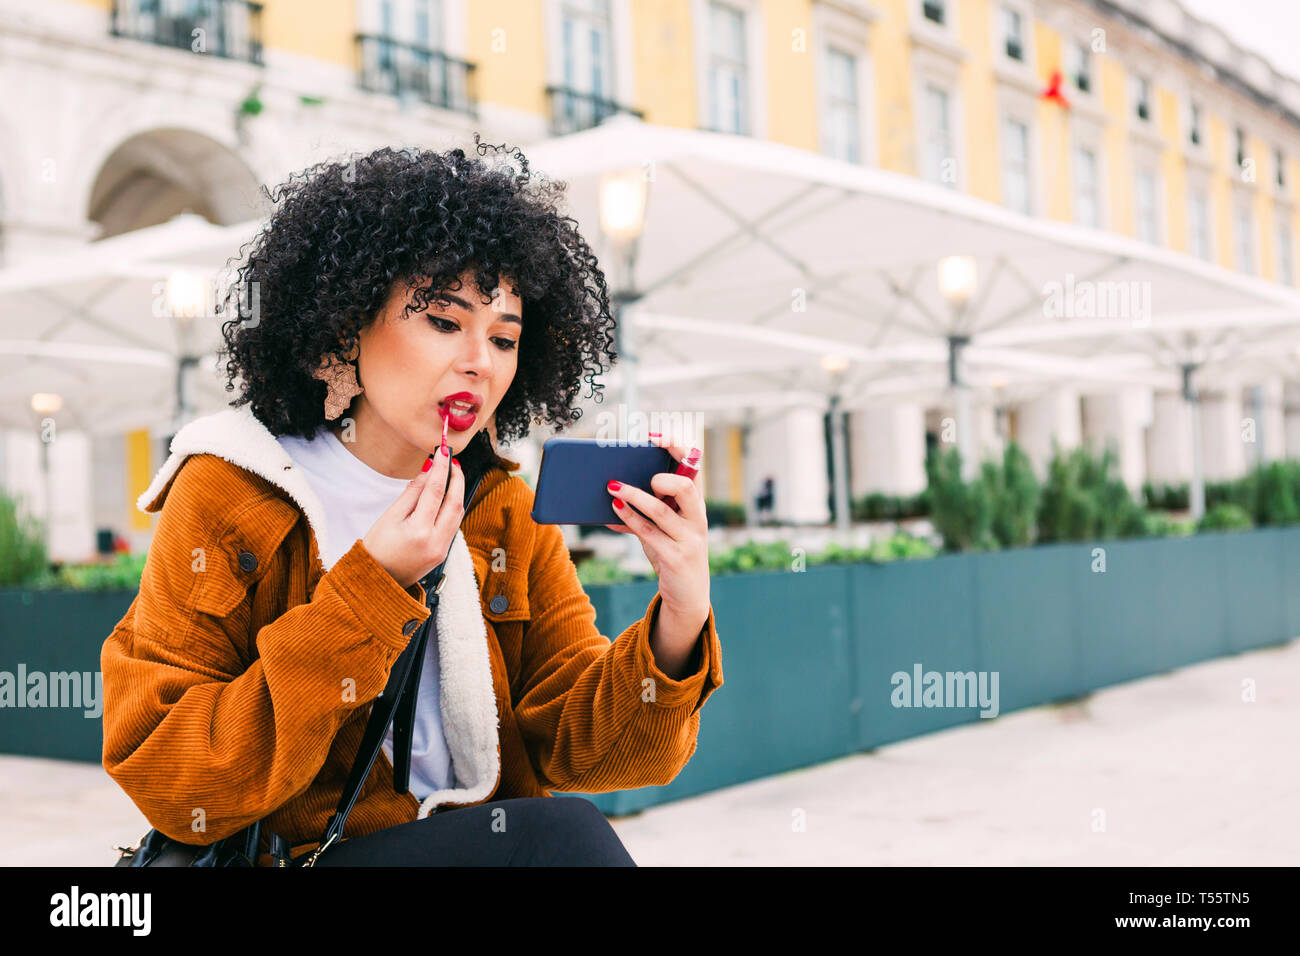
{"x":1197,"y":491}
{"x":838,"y":469}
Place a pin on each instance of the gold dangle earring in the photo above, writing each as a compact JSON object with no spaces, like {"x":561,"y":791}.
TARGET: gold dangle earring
{"x":340,"y":378}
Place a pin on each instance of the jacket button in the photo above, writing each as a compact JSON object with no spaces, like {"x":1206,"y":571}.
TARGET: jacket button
{"x":248,"y":560}
{"x":409,"y":627}
{"x":499,"y":604}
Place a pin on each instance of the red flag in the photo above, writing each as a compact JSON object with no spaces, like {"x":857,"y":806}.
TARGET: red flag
{"x":1053,"y":91}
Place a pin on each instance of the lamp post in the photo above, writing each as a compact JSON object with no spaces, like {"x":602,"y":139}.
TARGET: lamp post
{"x":45,"y":404}
{"x":622,"y":220}
{"x":958,"y":279}
{"x":186,"y":300}
{"x":1197,"y":491}
{"x":836,"y":364}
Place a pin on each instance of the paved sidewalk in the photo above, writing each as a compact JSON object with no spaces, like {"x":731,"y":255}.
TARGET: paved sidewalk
{"x":1178,"y":768}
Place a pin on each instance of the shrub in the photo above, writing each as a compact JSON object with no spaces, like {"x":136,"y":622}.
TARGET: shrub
{"x":1082,"y":501}
{"x":1225,"y":517}
{"x":121,"y":574}
{"x":603,"y":571}
{"x":23,"y":559}
{"x":1015,"y":495}
{"x":724,"y":514}
{"x":962,"y":512}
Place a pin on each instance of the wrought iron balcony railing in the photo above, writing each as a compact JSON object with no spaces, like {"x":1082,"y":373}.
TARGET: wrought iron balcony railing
{"x":573,"y":110}
{"x":226,"y":28}
{"x":398,"y":68}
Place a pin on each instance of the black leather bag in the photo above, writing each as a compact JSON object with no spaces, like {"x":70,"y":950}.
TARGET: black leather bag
{"x":241,"y":849}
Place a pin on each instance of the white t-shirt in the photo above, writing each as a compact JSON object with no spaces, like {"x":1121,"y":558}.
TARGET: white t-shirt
{"x":354,"y":495}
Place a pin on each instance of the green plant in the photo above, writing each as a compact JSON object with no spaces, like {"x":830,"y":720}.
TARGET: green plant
{"x":1082,"y":501}
{"x":121,"y":574}
{"x":752,"y":556}
{"x":1160,"y":525}
{"x":724,"y":514}
{"x":1275,"y":499}
{"x":1015,"y":495}
{"x":23,"y":559}
{"x":603,"y":571}
{"x":962,"y":512}
{"x":1225,"y":517}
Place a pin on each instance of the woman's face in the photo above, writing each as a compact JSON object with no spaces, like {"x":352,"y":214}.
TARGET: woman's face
{"x":409,"y":366}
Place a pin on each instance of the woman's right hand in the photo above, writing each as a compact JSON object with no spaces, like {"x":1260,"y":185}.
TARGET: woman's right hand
{"x":414,"y":535}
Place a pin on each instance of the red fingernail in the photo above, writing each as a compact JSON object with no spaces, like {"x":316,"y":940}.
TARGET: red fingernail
{"x":618,"y":503}
{"x":614,"y":486}
{"x":455,"y":462}
{"x":428,"y":463}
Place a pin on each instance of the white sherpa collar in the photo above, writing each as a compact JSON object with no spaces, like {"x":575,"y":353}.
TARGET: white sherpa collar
{"x":469,"y":705}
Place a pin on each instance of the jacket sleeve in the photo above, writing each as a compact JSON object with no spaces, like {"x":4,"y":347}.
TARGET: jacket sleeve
{"x":204,"y":741}
{"x":598,"y":716}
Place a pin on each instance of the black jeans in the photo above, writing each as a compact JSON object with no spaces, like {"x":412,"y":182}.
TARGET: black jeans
{"x":525,"y":831}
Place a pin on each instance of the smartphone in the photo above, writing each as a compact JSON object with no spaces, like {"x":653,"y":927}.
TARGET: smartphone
{"x":574,"y":472}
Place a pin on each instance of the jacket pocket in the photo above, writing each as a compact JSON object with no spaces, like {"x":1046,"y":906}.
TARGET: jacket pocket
{"x":241,"y":557}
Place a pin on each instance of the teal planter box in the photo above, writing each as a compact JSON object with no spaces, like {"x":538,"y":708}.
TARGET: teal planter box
{"x":810,"y":658}
{"x":56,"y":632}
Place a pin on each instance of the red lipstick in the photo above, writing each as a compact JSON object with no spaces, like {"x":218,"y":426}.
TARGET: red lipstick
{"x":690,"y":465}
{"x":459,"y":410}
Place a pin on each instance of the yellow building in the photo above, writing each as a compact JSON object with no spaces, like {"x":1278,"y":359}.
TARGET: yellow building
{"x":1129,"y":117}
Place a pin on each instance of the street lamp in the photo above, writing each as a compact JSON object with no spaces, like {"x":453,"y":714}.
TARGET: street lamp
{"x":958,"y":279}
{"x":46,"y":404}
{"x":836,"y":365}
{"x":622,"y":220}
{"x":186,"y":300}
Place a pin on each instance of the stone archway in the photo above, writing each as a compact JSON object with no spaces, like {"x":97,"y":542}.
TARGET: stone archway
{"x":154,"y":175}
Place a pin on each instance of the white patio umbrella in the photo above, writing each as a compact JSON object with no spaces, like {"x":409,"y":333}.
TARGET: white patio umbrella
{"x":759,"y":260}
{"x":115,"y":327}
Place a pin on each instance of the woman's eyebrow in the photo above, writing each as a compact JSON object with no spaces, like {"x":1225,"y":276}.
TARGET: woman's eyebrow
{"x":457,"y":300}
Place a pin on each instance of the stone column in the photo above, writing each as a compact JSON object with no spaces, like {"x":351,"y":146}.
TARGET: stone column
{"x":1053,"y":417}
{"x":887,"y":450}
{"x":1118,"y":420}
{"x":790,"y":445}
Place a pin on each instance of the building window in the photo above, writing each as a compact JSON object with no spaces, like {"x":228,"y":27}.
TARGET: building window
{"x":1015,"y":165}
{"x":1144,"y":205}
{"x":934,"y":10}
{"x":1194,"y":124}
{"x":1239,"y":137}
{"x":843,"y":122}
{"x":1086,"y":198}
{"x":405,"y":56}
{"x":1142,"y":98}
{"x":728,"y":70}
{"x":229,"y":28}
{"x":1245,"y":227}
{"x":1198,"y":225}
{"x":1279,"y":169}
{"x":940,"y":164}
{"x":1013,"y":41}
{"x":1285,"y":255}
{"x":585,"y":96}
{"x":1081,"y":67}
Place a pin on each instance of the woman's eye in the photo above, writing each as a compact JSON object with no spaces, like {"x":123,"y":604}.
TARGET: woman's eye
{"x":436,"y":319}
{"x":506,"y":344}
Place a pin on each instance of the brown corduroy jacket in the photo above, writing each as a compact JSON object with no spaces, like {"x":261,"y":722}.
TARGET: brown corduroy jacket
{"x":239,"y":681}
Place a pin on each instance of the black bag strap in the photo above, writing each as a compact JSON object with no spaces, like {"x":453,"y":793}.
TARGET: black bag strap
{"x":400,"y":683}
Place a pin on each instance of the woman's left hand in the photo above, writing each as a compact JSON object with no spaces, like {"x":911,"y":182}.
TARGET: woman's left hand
{"x":675,"y":542}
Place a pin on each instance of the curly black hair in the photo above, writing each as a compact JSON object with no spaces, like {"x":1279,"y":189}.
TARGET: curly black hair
{"x":344,"y":232}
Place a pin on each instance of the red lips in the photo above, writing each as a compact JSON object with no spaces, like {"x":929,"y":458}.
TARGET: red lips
{"x":459,"y":419}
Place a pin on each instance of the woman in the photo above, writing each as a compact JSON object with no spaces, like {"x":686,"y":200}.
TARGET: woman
{"x":411,"y":309}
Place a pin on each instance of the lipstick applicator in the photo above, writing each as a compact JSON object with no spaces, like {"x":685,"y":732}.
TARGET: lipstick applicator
{"x":690,"y":467}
